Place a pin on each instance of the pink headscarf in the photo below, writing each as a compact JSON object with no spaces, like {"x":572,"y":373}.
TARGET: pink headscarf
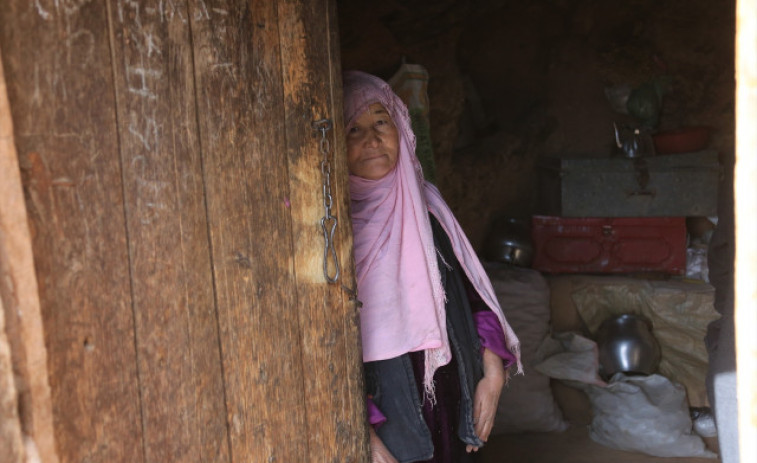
{"x":398,"y":277}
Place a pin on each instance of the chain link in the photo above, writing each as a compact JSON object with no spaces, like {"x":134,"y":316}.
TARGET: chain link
{"x":329,"y":221}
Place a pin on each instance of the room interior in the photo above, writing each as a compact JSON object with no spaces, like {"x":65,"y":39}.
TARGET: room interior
{"x":513,"y":85}
{"x":160,"y":190}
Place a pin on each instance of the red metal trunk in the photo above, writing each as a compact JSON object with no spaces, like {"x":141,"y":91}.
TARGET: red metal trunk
{"x":609,"y":245}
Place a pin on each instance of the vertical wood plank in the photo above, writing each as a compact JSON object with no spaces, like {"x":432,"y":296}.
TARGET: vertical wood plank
{"x":335,"y":400}
{"x":240,"y":111}
{"x":178,"y":352}
{"x":19,"y":295}
{"x":354,"y":352}
{"x":10,"y":423}
{"x":98,"y":219}
{"x":56,"y":59}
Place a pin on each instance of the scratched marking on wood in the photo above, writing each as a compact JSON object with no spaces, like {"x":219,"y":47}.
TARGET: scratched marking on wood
{"x":176,"y":331}
{"x":174,"y":202}
{"x":56,"y":58}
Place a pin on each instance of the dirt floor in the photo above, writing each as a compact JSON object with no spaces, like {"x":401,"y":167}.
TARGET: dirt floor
{"x":571,"y":446}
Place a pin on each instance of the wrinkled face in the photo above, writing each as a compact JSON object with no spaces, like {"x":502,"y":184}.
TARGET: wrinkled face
{"x":372,"y":144}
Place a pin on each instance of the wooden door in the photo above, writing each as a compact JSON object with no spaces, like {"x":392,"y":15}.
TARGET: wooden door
{"x":174,"y":190}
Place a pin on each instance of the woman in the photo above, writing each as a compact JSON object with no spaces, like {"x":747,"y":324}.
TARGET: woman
{"x":436,"y":346}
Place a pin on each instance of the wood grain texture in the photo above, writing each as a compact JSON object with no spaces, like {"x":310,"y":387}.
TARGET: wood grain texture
{"x":335,"y":401}
{"x":351,"y":319}
{"x":174,"y":190}
{"x":240,"y":112}
{"x":57,"y":66}
{"x":19,"y":296}
{"x":178,"y":354}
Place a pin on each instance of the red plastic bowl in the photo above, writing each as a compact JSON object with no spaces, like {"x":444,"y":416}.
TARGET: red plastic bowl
{"x":683,"y":140}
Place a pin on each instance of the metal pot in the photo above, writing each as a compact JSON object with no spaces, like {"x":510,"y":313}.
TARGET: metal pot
{"x":626,"y":345}
{"x":509,"y":241}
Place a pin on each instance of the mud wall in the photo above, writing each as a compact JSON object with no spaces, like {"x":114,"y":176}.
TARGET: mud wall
{"x":511,"y":81}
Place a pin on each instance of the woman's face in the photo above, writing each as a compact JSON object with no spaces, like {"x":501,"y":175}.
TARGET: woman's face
{"x":372,"y":144}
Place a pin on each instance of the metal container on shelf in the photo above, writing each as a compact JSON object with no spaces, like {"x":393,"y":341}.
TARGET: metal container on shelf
{"x":509,"y":242}
{"x":684,"y":184}
{"x":626,"y":345}
{"x":609,"y":244}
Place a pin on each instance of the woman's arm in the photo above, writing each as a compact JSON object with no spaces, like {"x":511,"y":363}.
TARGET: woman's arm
{"x":492,"y":337}
{"x":486,"y":397}
{"x":496,"y":359}
{"x":379,"y":452}
{"x":488,"y":326}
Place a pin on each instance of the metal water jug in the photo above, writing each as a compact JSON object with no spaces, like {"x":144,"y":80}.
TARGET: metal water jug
{"x":509,"y":241}
{"x":626,"y":344}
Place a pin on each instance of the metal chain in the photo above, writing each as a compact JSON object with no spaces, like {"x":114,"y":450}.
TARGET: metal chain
{"x":329,"y":221}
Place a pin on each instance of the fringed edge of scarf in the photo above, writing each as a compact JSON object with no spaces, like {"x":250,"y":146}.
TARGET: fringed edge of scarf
{"x":515,"y":350}
{"x":435,"y":358}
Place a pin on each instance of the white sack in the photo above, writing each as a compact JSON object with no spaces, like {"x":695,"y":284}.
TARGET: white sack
{"x":646,"y":414}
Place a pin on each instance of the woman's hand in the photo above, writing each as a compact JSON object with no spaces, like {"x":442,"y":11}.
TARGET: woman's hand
{"x":379,"y":452}
{"x":486,"y":397}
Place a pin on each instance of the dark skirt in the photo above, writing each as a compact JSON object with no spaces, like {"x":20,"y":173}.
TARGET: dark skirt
{"x":443,"y":417}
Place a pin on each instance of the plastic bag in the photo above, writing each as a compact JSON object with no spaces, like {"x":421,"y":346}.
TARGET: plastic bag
{"x":696,"y":263}
{"x":526,"y":403}
{"x":646,"y":414}
{"x":569,"y":357}
{"x":679,"y":311}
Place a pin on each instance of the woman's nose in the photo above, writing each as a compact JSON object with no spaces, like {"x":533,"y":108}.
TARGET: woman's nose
{"x":373,"y":138}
